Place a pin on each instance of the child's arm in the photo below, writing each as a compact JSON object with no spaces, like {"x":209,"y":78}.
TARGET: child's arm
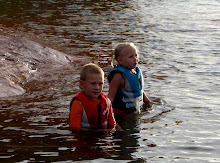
{"x":75,"y":115}
{"x":146,"y":99}
{"x":111,"y":119}
{"x":114,"y":85}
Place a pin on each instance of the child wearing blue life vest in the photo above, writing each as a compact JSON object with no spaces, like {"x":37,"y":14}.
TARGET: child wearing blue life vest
{"x":126,"y":85}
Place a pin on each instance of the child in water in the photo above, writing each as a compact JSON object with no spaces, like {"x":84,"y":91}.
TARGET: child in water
{"x":126,"y":80}
{"x":91,"y":109}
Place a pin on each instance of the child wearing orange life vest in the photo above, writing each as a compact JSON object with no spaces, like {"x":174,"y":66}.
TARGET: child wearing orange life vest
{"x":91,"y":109}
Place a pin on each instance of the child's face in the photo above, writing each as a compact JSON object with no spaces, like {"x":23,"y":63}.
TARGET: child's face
{"x":93,"y":85}
{"x":128,"y":58}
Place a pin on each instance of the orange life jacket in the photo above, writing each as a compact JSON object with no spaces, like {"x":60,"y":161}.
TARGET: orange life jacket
{"x":94,"y":116}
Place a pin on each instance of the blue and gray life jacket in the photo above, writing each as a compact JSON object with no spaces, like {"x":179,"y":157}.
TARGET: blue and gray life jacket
{"x":131,"y":96}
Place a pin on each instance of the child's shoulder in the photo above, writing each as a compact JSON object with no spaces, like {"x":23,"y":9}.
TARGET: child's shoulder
{"x":116,"y":75}
{"x":113,"y":73}
{"x":75,"y":105}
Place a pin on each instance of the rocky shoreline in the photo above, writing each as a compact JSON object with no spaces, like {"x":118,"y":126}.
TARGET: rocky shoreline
{"x":20,"y":59}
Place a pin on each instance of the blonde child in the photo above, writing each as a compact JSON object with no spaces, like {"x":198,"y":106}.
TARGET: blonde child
{"x":91,"y":109}
{"x":126,"y":80}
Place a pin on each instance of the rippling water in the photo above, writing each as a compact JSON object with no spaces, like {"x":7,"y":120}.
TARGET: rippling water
{"x":180,"y":57}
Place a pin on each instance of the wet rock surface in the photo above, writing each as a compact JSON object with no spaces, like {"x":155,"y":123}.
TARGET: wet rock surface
{"x":20,"y":60}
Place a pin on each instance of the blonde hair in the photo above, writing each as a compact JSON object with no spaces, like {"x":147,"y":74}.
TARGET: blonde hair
{"x":90,"y":68}
{"x":117,"y":51}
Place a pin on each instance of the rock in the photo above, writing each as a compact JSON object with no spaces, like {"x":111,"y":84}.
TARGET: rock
{"x":20,"y":58}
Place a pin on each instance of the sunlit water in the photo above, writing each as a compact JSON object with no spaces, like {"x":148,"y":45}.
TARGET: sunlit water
{"x":180,"y":57}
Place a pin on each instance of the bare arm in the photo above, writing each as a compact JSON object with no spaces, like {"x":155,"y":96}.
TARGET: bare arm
{"x":117,"y":81}
{"x":146,"y":99}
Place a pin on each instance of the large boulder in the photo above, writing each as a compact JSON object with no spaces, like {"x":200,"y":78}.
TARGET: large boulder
{"x":20,"y":58}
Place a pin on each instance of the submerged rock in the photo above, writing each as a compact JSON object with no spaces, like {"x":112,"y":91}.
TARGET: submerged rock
{"x":20,"y":58}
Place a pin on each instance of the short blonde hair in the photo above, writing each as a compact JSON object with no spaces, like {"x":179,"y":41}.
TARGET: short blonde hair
{"x":119,"y":47}
{"x":90,"y":68}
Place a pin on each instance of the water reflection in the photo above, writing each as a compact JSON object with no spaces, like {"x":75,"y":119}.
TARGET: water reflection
{"x":46,"y":138}
{"x":92,"y":145}
{"x":110,"y":145}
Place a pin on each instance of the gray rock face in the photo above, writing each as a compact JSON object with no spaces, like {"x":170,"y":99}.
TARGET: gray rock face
{"x":20,"y":59}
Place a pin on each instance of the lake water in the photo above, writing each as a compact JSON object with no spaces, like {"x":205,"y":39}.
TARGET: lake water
{"x":179,"y":44}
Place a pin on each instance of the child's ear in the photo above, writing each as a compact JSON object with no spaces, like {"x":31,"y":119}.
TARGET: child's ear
{"x":119,"y":60}
{"x":81,"y":84}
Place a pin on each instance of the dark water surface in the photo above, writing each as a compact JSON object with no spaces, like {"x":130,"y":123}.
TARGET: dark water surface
{"x":180,"y":57}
